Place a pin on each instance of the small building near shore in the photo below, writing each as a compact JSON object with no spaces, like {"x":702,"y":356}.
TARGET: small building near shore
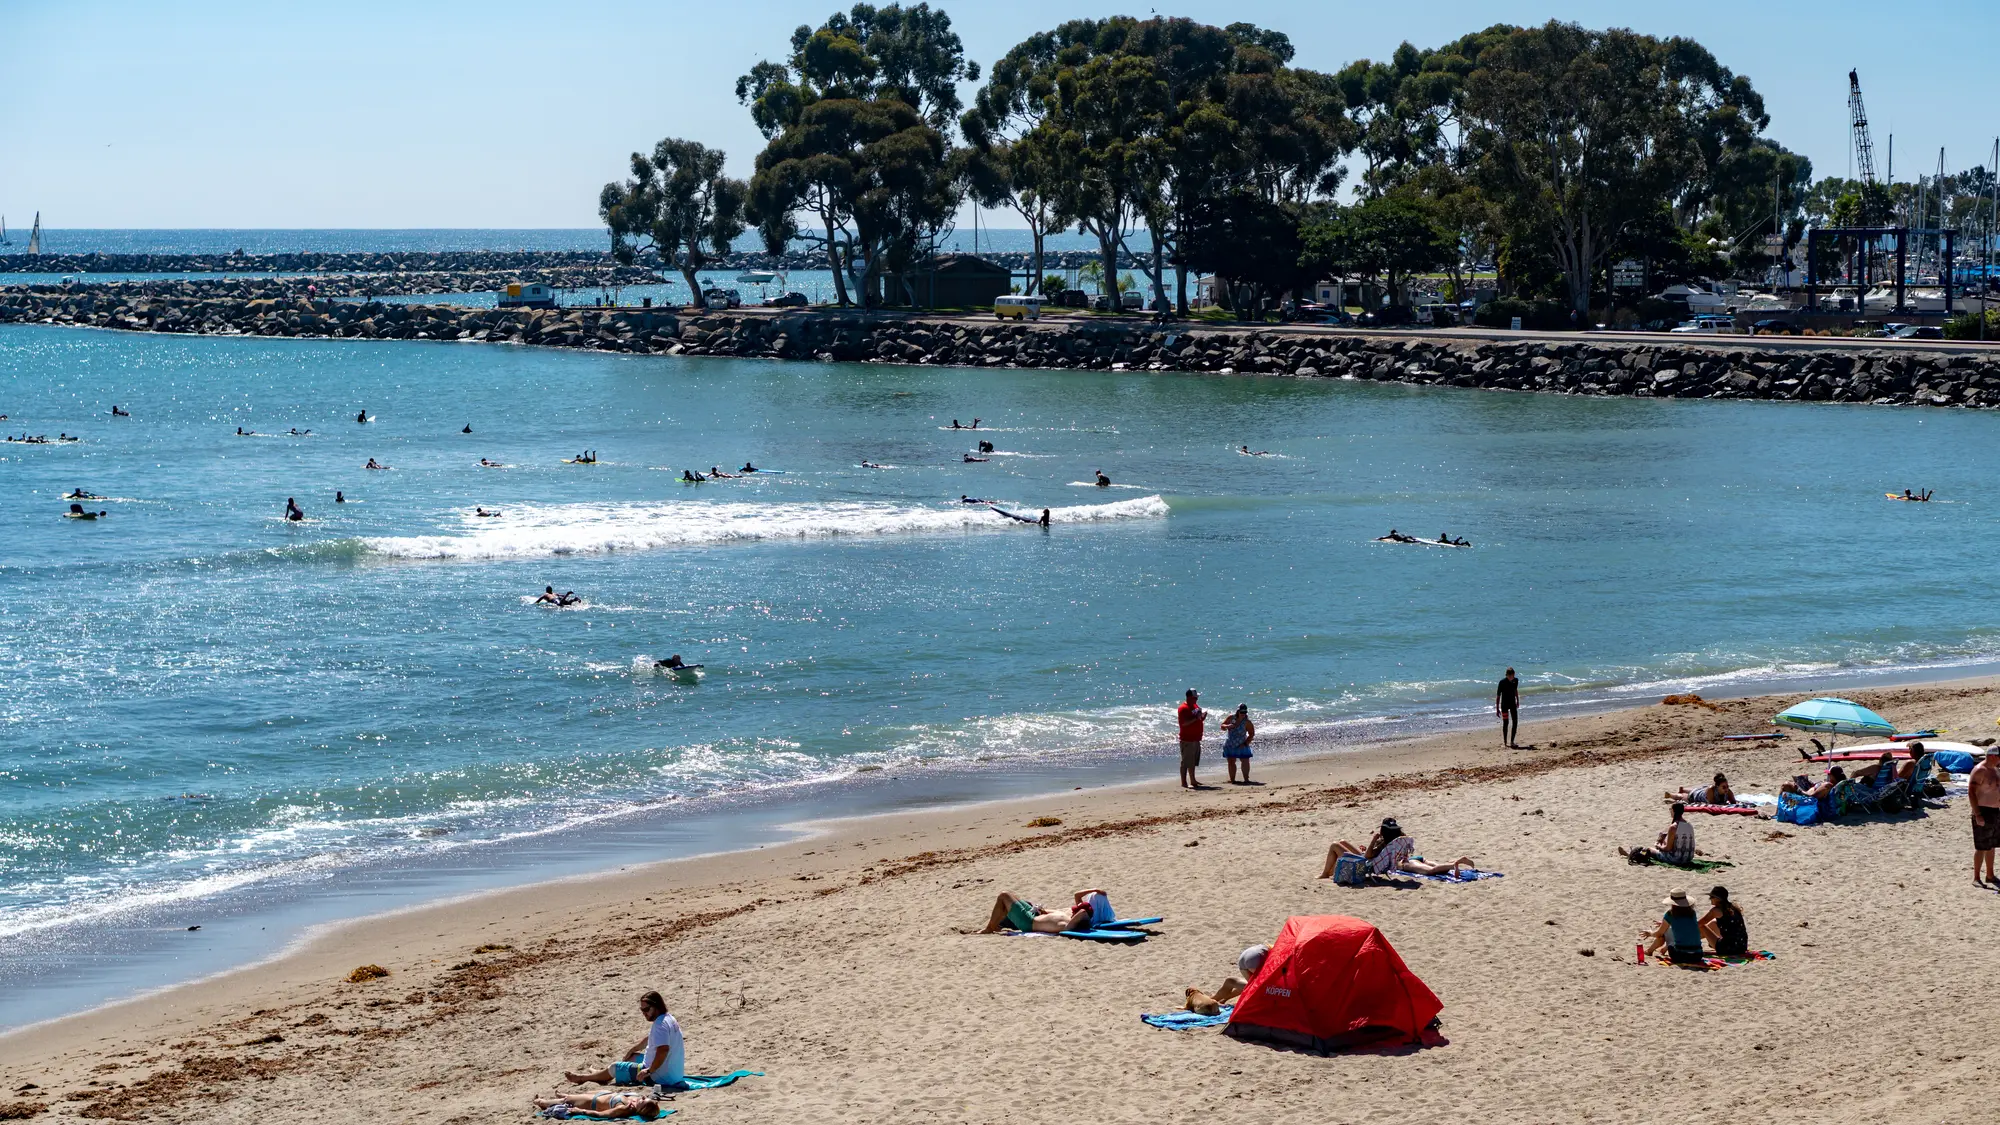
{"x":953,"y":281}
{"x":520,"y":296}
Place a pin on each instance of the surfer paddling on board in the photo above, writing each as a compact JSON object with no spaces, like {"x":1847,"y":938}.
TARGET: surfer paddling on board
{"x":117,"y":413}
{"x":548,"y":597}
{"x":1102,"y":480}
{"x":1253,"y":452}
{"x":338,"y":497}
{"x":715,"y":473}
{"x":362,"y":418}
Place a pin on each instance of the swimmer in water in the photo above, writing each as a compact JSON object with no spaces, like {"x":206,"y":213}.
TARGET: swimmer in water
{"x":117,"y":413}
{"x":747,"y":468}
{"x":241,"y":432}
{"x":548,"y":597}
{"x":964,"y":499}
{"x":338,"y":498}
{"x":467,"y":429}
{"x":870,"y":465}
{"x":82,"y":494}
{"x":362,"y":417}
{"x":76,"y":512}
{"x":971,"y":460}
{"x":955,"y":425}
{"x":1254,"y":452}
{"x":985,"y":447}
{"x":715,"y":473}
{"x":569,"y":598}
{"x":689,"y":476}
{"x":293,"y":512}
{"x":1045,"y":517}
{"x":975,"y":423}
{"x":1102,"y":480}
{"x":485,"y":464}
{"x":483,"y":512}
{"x":372,"y":465}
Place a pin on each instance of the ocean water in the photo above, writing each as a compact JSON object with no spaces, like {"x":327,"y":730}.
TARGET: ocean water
{"x":205,"y":700}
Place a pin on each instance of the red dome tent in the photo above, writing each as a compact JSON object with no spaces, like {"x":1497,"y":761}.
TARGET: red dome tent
{"x":1331,"y":981}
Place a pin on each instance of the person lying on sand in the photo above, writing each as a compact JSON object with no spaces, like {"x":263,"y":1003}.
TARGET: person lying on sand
{"x":659,"y":1054}
{"x":1678,"y":930}
{"x":1012,"y":912}
{"x":1389,"y":851}
{"x":1247,"y":964}
{"x":1675,"y":844}
{"x":605,"y":1105}
{"x":1716,"y":792}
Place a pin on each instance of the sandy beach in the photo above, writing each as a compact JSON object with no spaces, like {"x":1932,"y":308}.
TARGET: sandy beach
{"x":840,"y":965}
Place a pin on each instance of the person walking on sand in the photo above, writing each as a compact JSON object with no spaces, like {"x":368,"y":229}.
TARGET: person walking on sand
{"x":1191,"y":717}
{"x":1238,"y":730}
{"x":1507,"y":705}
{"x":1983,"y":793}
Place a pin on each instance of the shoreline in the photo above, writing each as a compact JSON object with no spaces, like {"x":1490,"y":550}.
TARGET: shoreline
{"x":875,"y":870}
{"x":737,"y":825}
{"x":855,"y":855}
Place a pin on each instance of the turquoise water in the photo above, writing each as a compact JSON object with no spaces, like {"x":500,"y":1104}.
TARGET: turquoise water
{"x":203,"y":698}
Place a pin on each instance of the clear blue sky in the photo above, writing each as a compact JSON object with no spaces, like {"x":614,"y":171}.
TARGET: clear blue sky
{"x":503,"y":114}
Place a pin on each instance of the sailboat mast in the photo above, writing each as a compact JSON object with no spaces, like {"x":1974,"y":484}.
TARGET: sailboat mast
{"x":35,"y":235}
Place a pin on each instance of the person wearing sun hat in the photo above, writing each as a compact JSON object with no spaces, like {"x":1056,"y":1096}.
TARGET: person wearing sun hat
{"x":1679,"y":930}
{"x":1983,"y":794}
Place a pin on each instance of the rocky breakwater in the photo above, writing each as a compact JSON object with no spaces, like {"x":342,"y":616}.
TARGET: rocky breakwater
{"x":303,"y":262}
{"x":1834,"y":373}
{"x":248,"y":309}
{"x":1941,"y":376}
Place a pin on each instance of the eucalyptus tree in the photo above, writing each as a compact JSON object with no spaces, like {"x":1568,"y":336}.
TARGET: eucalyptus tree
{"x":855,"y":121}
{"x":678,"y":203}
{"x":1582,"y":133}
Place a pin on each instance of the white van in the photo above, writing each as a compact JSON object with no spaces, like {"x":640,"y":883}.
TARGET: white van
{"x":1014,"y":307}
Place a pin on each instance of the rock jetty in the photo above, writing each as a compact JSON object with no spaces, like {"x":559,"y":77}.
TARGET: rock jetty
{"x":1942,"y":376}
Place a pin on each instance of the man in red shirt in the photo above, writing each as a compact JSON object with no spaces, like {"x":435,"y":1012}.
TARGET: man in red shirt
{"x":1191,"y":718}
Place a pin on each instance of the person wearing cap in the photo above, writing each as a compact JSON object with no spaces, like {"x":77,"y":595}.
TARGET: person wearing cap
{"x":1191,"y":717}
{"x":1983,"y":794}
{"x":1678,"y":930}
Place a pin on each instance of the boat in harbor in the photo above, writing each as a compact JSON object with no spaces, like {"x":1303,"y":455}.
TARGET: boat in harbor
{"x":35,"y":235}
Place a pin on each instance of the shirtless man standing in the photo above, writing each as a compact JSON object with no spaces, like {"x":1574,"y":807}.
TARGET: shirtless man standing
{"x":1983,"y":793}
{"x":1507,"y":705}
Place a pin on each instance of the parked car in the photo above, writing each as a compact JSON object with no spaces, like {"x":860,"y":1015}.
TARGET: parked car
{"x":1887,"y":330}
{"x":1071,"y":299}
{"x":721,"y":298}
{"x":788,"y":301}
{"x":1774,"y":327}
{"x":1920,"y":332}
{"x":1013,"y":306}
{"x":1132,"y":299}
{"x":1708,"y":325}
{"x":1389,"y":316}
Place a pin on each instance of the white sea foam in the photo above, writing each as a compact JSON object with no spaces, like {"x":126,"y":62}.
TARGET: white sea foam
{"x":528,"y":531}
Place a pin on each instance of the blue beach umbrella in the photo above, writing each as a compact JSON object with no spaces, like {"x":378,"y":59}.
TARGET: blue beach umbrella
{"x":1834,"y":716}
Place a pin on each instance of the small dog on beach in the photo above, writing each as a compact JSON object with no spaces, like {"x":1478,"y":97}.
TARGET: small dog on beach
{"x":1201,"y":1003}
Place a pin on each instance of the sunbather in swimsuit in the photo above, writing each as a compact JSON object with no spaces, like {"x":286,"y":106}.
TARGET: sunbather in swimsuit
{"x":1012,"y":912}
{"x":1716,"y":792}
{"x":606,"y":1104}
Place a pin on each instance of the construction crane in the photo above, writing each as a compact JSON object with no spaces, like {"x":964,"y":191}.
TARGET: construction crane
{"x":1857,"y":117}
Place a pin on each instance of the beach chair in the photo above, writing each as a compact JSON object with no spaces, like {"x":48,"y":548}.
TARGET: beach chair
{"x":1913,"y":789}
{"x":1840,"y":801}
{"x":1871,"y":798}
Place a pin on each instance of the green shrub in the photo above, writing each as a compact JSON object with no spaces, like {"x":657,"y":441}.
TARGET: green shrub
{"x":1965,"y":326}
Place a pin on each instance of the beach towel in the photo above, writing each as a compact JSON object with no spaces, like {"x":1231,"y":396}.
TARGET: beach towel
{"x":1714,"y":962}
{"x":1100,"y":910}
{"x":1188,"y":1021}
{"x":1460,"y":877}
{"x":1722,"y":810}
{"x":709,"y":1081}
{"x":1955,"y":761}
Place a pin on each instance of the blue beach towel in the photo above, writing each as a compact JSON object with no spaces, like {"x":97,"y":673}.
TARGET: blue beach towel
{"x":1465,"y":877}
{"x":1188,"y":1021}
{"x":709,"y":1081}
{"x":1955,"y":761}
{"x":565,"y":1113}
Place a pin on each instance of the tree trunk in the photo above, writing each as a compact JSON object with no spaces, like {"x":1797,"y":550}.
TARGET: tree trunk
{"x":833,"y":262}
{"x":694,"y":284}
{"x":1180,"y":290}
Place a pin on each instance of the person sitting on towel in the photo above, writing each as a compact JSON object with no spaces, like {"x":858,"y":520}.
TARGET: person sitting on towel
{"x":1389,"y":852}
{"x":1723,"y":925}
{"x":659,"y":1054}
{"x":1012,"y":912}
{"x":1675,"y":844}
{"x":1716,"y":792}
{"x":604,"y":1105}
{"x":1678,"y":930}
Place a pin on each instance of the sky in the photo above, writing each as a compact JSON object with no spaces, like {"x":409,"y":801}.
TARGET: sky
{"x":439,"y":113}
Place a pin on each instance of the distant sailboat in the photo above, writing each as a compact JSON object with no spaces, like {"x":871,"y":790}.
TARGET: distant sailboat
{"x":4,"y":240}
{"x":35,"y":235}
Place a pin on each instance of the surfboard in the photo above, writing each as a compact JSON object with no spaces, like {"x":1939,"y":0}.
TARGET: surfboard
{"x":1015,"y":515}
{"x":1896,"y":750}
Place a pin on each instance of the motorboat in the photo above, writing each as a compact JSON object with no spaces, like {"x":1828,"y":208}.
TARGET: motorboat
{"x":1697,"y":299}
